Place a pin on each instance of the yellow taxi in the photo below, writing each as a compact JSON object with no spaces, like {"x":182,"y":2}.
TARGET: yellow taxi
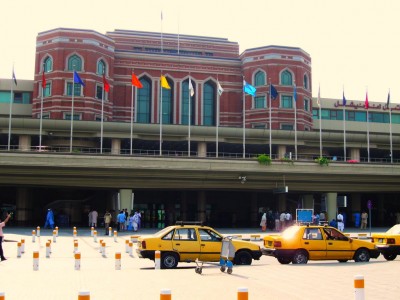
{"x":186,"y":243}
{"x":300,"y":243}
{"x":388,"y":243}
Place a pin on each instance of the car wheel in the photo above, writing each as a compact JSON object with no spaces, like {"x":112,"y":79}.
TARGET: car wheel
{"x":243,"y":258}
{"x":169,"y":260}
{"x":362,"y":255}
{"x":390,"y":256}
{"x":342,"y":260}
{"x":300,"y":257}
{"x":284,"y":260}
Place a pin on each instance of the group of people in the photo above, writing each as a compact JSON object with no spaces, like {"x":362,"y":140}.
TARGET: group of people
{"x":127,"y":222}
{"x":275,"y":221}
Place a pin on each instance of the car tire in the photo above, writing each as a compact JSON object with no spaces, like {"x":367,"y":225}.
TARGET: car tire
{"x":169,"y":260}
{"x":390,"y":256}
{"x":243,"y":258}
{"x":300,"y":257}
{"x":284,"y":260}
{"x":362,"y":255}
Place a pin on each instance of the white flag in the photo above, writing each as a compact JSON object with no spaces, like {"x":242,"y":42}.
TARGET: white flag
{"x":220,"y":89}
{"x":191,"y":89}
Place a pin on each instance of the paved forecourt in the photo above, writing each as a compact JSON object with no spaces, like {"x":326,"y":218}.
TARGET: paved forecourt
{"x":57,"y":278}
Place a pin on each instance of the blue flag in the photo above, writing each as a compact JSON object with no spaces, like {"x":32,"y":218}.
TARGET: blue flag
{"x":249,"y":89}
{"x":274,"y":93}
{"x":344,"y":100}
{"x":77,"y":79}
{"x":294,"y":93}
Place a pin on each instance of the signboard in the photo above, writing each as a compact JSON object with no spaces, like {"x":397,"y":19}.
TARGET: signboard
{"x":304,"y":215}
{"x":281,"y":190}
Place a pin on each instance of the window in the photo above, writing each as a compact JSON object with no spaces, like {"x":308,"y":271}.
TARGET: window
{"x":209,"y":235}
{"x":312,"y":234}
{"x":185,"y":234}
{"x":361,"y":116}
{"x":209,"y":104}
{"x":286,"y":78}
{"x":99,"y":92}
{"x":101,"y":67}
{"x":98,"y":118}
{"x":144,"y":101}
{"x":48,"y":64}
{"x":185,"y":104}
{"x":350,"y":115}
{"x":259,"y":102}
{"x":287,"y":101}
{"x":74,"y":63}
{"x":17,"y":97}
{"x":77,"y":89}
{"x":377,"y":117}
{"x":47,"y":90}
{"x":287,"y":126}
{"x":306,"y":104}
{"x":315,"y":114}
{"x":305,"y":81}
{"x":167,"y":103}
{"x":67,"y":116}
{"x":259,"y":126}
{"x":259,"y":78}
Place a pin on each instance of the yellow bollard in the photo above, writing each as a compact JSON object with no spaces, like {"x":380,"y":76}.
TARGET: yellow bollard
{"x":35,"y":260}
{"x":157,"y":260}
{"x":77,"y":256}
{"x":359,"y":287}
{"x":84,"y":295}
{"x":243,"y":293}
{"x":165,"y":294}
{"x":118,"y":261}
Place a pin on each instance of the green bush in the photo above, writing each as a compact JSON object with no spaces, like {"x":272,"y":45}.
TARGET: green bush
{"x":264,"y":159}
{"x":322,"y":161}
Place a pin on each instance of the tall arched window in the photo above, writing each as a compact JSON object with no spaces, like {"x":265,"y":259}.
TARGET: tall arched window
{"x":48,"y":64}
{"x":167,"y":103}
{"x":209,"y":103}
{"x":143,"y":110}
{"x":305,"y":80}
{"x":101,"y":67}
{"x":259,"y":78}
{"x":74,"y":63}
{"x":286,"y":78}
{"x":185,"y":104}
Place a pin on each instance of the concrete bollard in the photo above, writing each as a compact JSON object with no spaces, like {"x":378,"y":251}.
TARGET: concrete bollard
{"x":130,"y":249}
{"x":243,"y":293}
{"x":165,"y":294}
{"x":22,"y":245}
{"x":33,"y":236}
{"x":54,"y":236}
{"x":91,"y":231}
{"x":127,"y":246}
{"x":84,"y":295}
{"x":359,"y":287}
{"x":57,"y":231}
{"x":49,"y":241}
{"x":115,"y":235}
{"x":74,"y":229}
{"x":77,"y":256}
{"x":35,"y":260}
{"x":109,"y":231}
{"x":118,"y":261}
{"x":95,"y":236}
{"x":2,"y":296}
{"x":157,"y":260}
{"x":38,"y":231}
{"x":47,"y":249}
{"x":103,"y":246}
{"x":75,"y":233}
{"x":19,"y":249}
{"x":76,"y":244}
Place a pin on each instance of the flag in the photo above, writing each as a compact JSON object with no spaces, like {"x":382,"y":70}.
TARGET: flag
{"x":294,"y":93}
{"x":274,"y":93}
{"x":219,"y":88}
{"x":344,"y":100}
{"x":164,"y":83}
{"x":388,"y":100}
{"x":43,"y":81}
{"x":106,"y":84}
{"x":191,"y":89}
{"x":249,"y":89}
{"x":77,"y":79}
{"x":366,"y":104}
{"x":14,"y":78}
{"x":136,"y":82}
{"x":319,"y":99}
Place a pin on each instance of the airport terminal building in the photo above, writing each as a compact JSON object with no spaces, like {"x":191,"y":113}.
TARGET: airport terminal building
{"x":188,"y":151}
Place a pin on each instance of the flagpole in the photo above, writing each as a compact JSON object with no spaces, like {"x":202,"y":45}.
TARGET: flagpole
{"x":295,"y":123}
{"x":390,"y":129}
{"x":189,"y":121}
{"x":320,"y":123}
{"x":72,"y":111}
{"x":270,"y":118}
{"x":217,"y":131}
{"x":344,"y":126}
{"x":244,"y":126}
{"x":10,"y":114}
{"x":131,"y":136}
{"x":41,"y":116}
{"x":160,"y":115}
{"x":102,"y":117}
{"x":368,"y":134}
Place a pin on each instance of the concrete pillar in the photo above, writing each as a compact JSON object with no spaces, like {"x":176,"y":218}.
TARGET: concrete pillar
{"x":202,"y":149}
{"x":254,"y":210}
{"x":125,"y":199}
{"x":201,"y":206}
{"x":355,"y":153}
{"x":281,"y":151}
{"x":24,"y":206}
{"x":308,"y":201}
{"x":115,"y":146}
{"x":24,"y":143}
{"x":331,"y":206}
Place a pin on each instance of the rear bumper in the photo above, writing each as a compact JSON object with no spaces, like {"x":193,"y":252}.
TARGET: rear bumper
{"x":388,"y":249}
{"x":282,"y":253}
{"x":145,"y":254}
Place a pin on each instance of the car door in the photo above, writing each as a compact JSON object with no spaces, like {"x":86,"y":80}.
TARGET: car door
{"x":186,"y":243}
{"x":210,"y":245}
{"x":338,"y":245}
{"x":314,"y":242}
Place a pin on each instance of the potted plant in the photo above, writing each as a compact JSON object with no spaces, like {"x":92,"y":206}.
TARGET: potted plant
{"x":264,"y":159}
{"x":322,"y":161}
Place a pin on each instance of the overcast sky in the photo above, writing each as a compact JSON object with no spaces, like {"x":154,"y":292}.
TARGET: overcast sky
{"x":353,"y":44}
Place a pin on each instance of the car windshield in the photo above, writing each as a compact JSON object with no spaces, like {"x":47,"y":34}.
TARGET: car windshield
{"x":290,"y":232}
{"x":394,"y":230}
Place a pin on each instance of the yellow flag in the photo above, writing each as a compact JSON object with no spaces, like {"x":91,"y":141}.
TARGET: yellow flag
{"x":164,"y":83}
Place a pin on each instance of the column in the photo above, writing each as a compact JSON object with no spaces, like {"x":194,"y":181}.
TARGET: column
{"x":201,"y":206}
{"x":331,"y":206}
{"x":281,"y":151}
{"x":24,"y":143}
{"x":24,"y":207}
{"x":115,"y":146}
{"x":202,"y":149}
{"x":125,"y":199}
{"x":355,"y":154}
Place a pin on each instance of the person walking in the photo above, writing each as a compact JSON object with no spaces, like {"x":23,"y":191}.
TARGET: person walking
{"x":364,"y":220}
{"x":90,"y":217}
{"x":263,"y":222}
{"x":49,"y":219}
{"x":2,"y":224}
{"x":340,"y":223}
{"x":94,"y":218}
{"x":107,"y":221}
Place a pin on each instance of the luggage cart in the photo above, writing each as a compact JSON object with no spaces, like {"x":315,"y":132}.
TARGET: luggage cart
{"x":227,"y":251}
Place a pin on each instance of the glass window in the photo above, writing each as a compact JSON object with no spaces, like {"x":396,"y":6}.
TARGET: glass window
{"x":167,"y":103}
{"x":361,"y":116}
{"x":259,"y":78}
{"x":185,"y":234}
{"x":209,"y":235}
{"x":325,"y":114}
{"x":48,"y":64}
{"x":185,"y":104}
{"x":77,"y":89}
{"x":17,"y":97}
{"x":315,"y":114}
{"x":395,"y":119}
{"x":209,"y":104}
{"x":286,"y":101}
{"x":312,"y":234}
{"x":144,"y":101}
{"x":259,"y":126}
{"x":306,"y":104}
{"x":287,"y":126}
{"x":305,"y":80}
{"x":100,"y":91}
{"x":47,"y":90}
{"x":259,"y":102}
{"x":67,"y":116}
{"x":101,"y":67}
{"x":377,"y":117}
{"x":351,"y":116}
{"x":286,"y":78}
{"x":74,"y":63}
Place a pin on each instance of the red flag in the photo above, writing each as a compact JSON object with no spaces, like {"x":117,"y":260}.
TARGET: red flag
{"x":136,"y":82}
{"x":366,"y":104}
{"x":43,"y":81}
{"x":106,"y":84}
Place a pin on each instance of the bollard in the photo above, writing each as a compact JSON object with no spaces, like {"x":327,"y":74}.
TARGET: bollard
{"x":54,"y":236}
{"x":75,"y":246}
{"x":33,"y":236}
{"x":2,"y":296}
{"x":359,"y":287}
{"x":115,"y":235}
{"x":130,"y":249}
{"x":75,"y":233}
{"x":109,"y":231}
{"x":118,"y":261}
{"x":19,"y":250}
{"x":49,"y":241}
{"x":157,"y":260}
{"x":91,"y":231}
{"x":95,"y":236}
{"x":126,"y":246}
{"x":57,"y":231}
{"x":243,"y":293}
{"x":165,"y":294}
{"x":103,"y":246}
{"x":77,"y":256}
{"x":38,"y":231}
{"x":47,"y":249}
{"x":134,"y":238}
{"x":35,"y":260}
{"x":84,"y":295}
{"x":74,"y":229}
{"x":22,"y":245}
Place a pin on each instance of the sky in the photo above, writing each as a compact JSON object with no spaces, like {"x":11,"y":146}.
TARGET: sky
{"x":354,"y":44}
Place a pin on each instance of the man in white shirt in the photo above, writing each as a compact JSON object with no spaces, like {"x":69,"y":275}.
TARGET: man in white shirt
{"x":2,"y":224}
{"x":340,"y":222}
